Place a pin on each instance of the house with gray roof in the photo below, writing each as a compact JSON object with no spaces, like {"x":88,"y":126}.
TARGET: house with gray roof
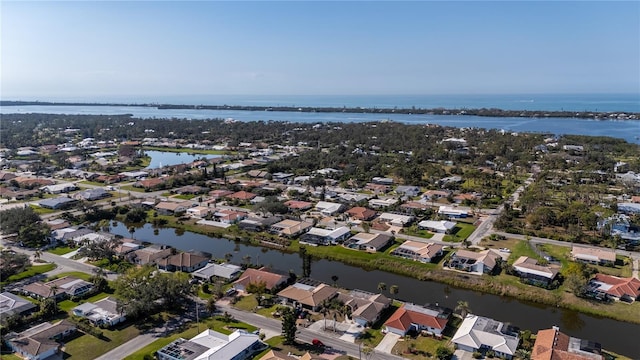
{"x":57,"y":203}
{"x":11,"y":304}
{"x":41,"y":341}
{"x":101,"y":313}
{"x":368,"y":242}
{"x":226,"y":271}
{"x":478,"y":333}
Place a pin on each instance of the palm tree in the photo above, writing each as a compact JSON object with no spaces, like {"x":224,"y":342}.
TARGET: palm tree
{"x":463,"y":308}
{"x":334,"y":278}
{"x":37,"y":254}
{"x":382,"y":286}
{"x":394,"y":290}
{"x":132,"y":230}
{"x":228,"y":256}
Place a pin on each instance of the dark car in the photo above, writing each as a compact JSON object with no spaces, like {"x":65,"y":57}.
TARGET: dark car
{"x":317,"y":343}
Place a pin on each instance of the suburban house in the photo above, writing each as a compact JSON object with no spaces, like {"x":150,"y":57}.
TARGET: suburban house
{"x":59,"y":188}
{"x":220,"y":193}
{"x":377,"y":188}
{"x":395,"y":219}
{"x":101,"y":313}
{"x":382,"y":203}
{"x":172,"y":208}
{"x":452,"y":212}
{"x":227,"y":216}
{"x":198,"y":211}
{"x":308,"y":294}
{"x":482,"y":334}
{"x":318,"y":236}
{"x":617,"y":288}
{"x":183,"y":261}
{"x":91,"y":194}
{"x":253,"y":276}
{"x":290,"y":228}
{"x":150,"y":254}
{"x":258,"y":224}
{"x":366,"y":308}
{"x":61,"y":288}
{"x":435,"y":194}
{"x":442,"y":226}
{"x":329,"y":208}
{"x":408,"y":190}
{"x":127,"y":246}
{"x":410,"y":317}
{"x":242,"y":195}
{"x":149,"y":183}
{"x":58,"y":203}
{"x":71,"y":286}
{"x":382,"y":180}
{"x":367,"y":242}
{"x":478,"y":263}
{"x":360,"y":213}
{"x":296,"y":205}
{"x":460,"y":198}
{"x":592,"y":255}
{"x":14,"y":305}
{"x":41,"y":341}
{"x":418,"y":251}
{"x":532,"y":273}
{"x":551,"y":344}
{"x":410,"y":207}
{"x":211,"y":271}
{"x":210,"y":344}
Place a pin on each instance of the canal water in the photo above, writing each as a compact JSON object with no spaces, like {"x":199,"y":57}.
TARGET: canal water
{"x":614,"y":335}
{"x":168,"y":158}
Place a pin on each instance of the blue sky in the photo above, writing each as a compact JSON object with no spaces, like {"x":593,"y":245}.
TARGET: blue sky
{"x":102,"y":49}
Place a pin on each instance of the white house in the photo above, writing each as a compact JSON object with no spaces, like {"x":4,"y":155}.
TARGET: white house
{"x":210,"y":344}
{"x":329,"y":208}
{"x":480,"y":333}
{"x":396,"y":219}
{"x":419,"y":251}
{"x":101,"y":313}
{"x":437,"y":226}
{"x":318,"y":236}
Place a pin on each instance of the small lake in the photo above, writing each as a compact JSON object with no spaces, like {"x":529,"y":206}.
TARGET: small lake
{"x":614,"y":335}
{"x":166,"y":158}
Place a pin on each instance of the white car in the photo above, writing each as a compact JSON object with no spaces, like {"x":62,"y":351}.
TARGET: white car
{"x":505,"y":250}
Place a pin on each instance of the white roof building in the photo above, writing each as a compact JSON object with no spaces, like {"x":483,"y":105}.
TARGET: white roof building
{"x":437,"y":226}
{"x":396,"y":219}
{"x":225,"y":271}
{"x":328,"y":208}
{"x":477,"y":332}
{"x":211,"y":344}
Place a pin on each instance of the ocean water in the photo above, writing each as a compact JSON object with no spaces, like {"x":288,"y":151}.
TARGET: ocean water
{"x":624,"y":129}
{"x":550,"y":102}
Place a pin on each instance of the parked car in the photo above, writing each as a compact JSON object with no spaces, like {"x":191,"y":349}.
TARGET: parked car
{"x":317,"y":343}
{"x":230,"y":292}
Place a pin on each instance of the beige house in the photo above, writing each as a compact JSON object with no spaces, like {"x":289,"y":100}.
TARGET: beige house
{"x":593,"y":255}
{"x":308,"y":293}
{"x":290,"y":228}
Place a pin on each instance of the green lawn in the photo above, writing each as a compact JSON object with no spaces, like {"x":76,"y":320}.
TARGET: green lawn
{"x":462,"y":233}
{"x":61,"y":250}
{"x":184,"y":196}
{"x":78,"y":274}
{"x":31,"y":271}
{"x":423,"y":347}
{"x":131,"y":188}
{"x":87,"y":347}
{"x":189,"y":331}
{"x":94,"y":183}
{"x":417,"y":232}
{"x":42,"y":211}
{"x":522,"y":248}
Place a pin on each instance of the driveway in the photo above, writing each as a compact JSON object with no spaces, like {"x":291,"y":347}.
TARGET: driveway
{"x":387,"y":343}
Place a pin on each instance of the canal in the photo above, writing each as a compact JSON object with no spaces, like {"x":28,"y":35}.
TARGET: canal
{"x":614,"y":335}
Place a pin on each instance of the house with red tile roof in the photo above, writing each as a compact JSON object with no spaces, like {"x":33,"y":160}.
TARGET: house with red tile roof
{"x":242,"y":195}
{"x":360,"y":213}
{"x":220,"y":193}
{"x":252,"y":276}
{"x":149,"y":183}
{"x":617,"y":288}
{"x":410,"y":317}
{"x":551,"y":344}
{"x":294,"y":205}
{"x":184,"y":261}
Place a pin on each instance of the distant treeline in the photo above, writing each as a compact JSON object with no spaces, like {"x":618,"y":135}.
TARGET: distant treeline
{"x":492,"y":112}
